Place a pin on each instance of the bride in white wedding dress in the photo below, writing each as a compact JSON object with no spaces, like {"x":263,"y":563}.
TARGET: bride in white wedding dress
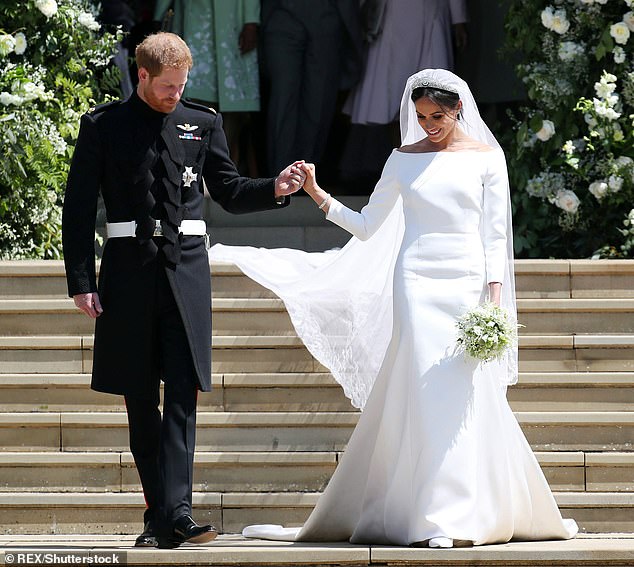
{"x":437,"y":455}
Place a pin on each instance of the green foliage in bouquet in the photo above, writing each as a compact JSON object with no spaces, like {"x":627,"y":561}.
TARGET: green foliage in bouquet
{"x":486,"y":332}
{"x":572,"y":153}
{"x":54,"y":65}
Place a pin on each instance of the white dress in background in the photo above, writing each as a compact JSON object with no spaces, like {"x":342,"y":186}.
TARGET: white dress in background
{"x":437,"y":451}
{"x":416,"y":34}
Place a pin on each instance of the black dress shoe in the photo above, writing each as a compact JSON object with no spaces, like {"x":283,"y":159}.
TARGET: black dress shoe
{"x":187,"y":531}
{"x":148,"y":537}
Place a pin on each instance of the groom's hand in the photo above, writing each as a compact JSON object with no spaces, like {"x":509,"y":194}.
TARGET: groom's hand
{"x":290,"y":180}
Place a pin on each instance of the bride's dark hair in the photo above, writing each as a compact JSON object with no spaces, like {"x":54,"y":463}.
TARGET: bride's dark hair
{"x":445,"y":99}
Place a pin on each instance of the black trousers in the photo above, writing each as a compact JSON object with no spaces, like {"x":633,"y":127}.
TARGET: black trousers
{"x":163,"y":445}
{"x":301,"y":46}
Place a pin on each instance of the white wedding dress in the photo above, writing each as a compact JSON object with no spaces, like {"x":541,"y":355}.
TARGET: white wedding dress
{"x":437,"y":451}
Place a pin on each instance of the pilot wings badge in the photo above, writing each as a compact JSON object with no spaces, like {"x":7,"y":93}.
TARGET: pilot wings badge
{"x":187,"y":127}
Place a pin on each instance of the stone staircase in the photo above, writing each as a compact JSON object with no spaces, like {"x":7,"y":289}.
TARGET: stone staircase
{"x":272,"y":430}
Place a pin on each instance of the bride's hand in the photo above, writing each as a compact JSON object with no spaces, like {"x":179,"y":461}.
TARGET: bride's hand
{"x":310,"y":184}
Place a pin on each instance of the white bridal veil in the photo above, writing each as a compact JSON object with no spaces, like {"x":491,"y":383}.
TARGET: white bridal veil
{"x":340,"y":301}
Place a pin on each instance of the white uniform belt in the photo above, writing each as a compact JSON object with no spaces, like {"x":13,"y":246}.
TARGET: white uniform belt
{"x":128,"y":228}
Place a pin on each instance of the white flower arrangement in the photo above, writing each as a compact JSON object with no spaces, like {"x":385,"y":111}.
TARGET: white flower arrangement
{"x":53,"y":68}
{"x":566,"y":200}
{"x":486,"y":332}
{"x":599,"y":189}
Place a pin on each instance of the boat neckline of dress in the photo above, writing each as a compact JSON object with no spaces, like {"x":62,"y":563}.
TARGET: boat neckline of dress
{"x":448,"y":152}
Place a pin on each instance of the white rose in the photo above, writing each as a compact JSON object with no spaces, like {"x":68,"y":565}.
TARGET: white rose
{"x":560,"y":22}
{"x":567,"y":200}
{"x":620,"y":32}
{"x":20,"y":43}
{"x":47,"y":7}
{"x":547,"y":17}
{"x":628,"y":19}
{"x":547,"y":131}
{"x":86,"y":19}
{"x":599,"y":189}
{"x":624,"y":161}
{"x":619,"y":55}
{"x":615,"y":183}
{"x":7,"y":44}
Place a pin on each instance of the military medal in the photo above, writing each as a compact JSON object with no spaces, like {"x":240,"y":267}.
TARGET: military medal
{"x":189,"y":176}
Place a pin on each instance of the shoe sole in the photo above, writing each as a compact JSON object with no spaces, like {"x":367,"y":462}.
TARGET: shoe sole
{"x":203,"y":538}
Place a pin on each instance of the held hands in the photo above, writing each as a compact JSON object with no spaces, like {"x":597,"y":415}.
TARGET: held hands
{"x":89,"y":303}
{"x":290,"y":180}
{"x":314,"y":190}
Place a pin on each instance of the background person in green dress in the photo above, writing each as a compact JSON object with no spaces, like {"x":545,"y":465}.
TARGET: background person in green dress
{"x":222,"y":37}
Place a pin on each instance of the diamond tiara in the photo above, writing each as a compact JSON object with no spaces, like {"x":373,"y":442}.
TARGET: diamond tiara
{"x":430,"y":83}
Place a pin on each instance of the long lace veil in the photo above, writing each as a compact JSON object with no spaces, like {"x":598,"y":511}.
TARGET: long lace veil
{"x":340,"y":301}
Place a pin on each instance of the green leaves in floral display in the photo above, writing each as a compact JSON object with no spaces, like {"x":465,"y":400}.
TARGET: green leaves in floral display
{"x":45,"y":86}
{"x":605,"y":46}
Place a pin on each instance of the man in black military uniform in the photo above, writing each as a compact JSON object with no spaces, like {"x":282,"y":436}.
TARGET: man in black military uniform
{"x":149,"y":155}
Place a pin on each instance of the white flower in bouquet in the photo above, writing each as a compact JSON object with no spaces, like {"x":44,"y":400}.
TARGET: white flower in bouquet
{"x":547,"y":131}
{"x":47,"y":7}
{"x":615,"y":183}
{"x":599,"y":189}
{"x":566,"y":200}
{"x":619,"y":55}
{"x":486,"y":332}
{"x":20,"y":43}
{"x":620,"y":32}
{"x":86,"y":19}
{"x":601,"y":1}
{"x":7,"y":44}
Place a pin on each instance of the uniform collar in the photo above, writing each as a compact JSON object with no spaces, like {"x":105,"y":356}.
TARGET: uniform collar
{"x":144,"y":108}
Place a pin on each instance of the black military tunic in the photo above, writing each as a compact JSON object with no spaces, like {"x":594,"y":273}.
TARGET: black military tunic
{"x":149,"y":165}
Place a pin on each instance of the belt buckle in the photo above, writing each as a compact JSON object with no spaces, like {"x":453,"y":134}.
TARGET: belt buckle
{"x":158,"y":229}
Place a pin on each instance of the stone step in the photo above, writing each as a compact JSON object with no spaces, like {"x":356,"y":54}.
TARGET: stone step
{"x":120,"y":513}
{"x":265,"y":354}
{"x":268,"y":316}
{"x":231,"y":316}
{"x":240,"y":471}
{"x":590,"y":550}
{"x":534,"y":279}
{"x":313,"y":391}
{"x":292,"y":431}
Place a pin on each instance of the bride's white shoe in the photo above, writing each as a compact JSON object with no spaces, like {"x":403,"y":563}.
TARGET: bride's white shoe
{"x":441,"y":542}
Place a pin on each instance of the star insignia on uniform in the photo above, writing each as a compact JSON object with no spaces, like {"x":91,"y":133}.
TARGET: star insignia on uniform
{"x":187,"y":127}
{"x":189,"y":176}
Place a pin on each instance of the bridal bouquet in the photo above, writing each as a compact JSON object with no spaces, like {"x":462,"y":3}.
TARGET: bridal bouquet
{"x":486,"y":332}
